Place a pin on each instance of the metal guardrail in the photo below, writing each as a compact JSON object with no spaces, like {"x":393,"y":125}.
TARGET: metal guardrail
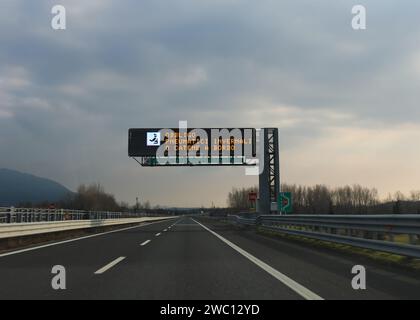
{"x":376,"y":232}
{"x":242,"y":220}
{"x":27,"y":215}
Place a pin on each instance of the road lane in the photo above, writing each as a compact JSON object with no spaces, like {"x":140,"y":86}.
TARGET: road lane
{"x":188,"y":263}
{"x":27,"y":275}
{"x":326,"y":271}
{"x":290,"y":283}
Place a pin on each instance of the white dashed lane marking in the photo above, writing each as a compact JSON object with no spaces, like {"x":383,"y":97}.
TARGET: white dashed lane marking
{"x":110,"y":265}
{"x":144,"y":243}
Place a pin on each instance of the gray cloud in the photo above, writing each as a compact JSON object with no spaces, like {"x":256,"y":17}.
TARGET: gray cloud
{"x":68,"y":98}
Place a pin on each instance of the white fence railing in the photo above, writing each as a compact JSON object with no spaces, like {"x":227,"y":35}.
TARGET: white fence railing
{"x":13,"y":230}
{"x":30,"y":215}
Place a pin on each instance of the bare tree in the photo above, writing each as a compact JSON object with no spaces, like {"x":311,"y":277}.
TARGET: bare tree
{"x":319,"y":199}
{"x":399,"y":196}
{"x":239,"y":198}
{"x":92,"y":197}
{"x":415,"y":195}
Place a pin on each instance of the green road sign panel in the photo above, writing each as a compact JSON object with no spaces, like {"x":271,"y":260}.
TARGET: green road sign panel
{"x":285,"y":202}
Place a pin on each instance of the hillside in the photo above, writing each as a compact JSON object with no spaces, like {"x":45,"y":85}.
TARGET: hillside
{"x":17,"y":187}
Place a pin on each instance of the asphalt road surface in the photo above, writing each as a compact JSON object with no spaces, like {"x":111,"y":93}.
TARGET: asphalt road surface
{"x":195,"y":258}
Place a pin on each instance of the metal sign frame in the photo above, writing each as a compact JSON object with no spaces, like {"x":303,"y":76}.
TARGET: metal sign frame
{"x":269,"y":177}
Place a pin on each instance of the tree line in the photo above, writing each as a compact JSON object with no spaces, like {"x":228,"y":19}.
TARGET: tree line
{"x":92,"y":197}
{"x":321,"y":199}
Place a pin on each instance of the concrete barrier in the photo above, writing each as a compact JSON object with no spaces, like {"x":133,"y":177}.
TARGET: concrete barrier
{"x":14,"y":230}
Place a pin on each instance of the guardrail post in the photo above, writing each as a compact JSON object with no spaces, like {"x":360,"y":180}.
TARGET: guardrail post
{"x":368,"y":235}
{"x":9,"y":215}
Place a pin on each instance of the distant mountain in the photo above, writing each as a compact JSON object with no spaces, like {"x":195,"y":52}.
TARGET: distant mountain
{"x":17,"y":187}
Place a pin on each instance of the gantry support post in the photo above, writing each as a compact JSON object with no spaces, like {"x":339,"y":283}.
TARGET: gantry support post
{"x":269,"y":179}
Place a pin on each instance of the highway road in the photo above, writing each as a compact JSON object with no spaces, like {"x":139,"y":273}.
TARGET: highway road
{"x":195,"y":258}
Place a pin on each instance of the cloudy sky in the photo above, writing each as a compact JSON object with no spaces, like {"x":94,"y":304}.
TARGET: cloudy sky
{"x":346,"y":101}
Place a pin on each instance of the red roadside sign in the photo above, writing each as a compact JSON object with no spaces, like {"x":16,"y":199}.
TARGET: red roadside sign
{"x":252,"y":196}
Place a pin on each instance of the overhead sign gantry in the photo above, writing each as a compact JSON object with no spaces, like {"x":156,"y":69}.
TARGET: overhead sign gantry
{"x":163,"y":147}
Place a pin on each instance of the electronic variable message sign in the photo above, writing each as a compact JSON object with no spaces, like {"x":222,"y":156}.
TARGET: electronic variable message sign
{"x":185,"y":146}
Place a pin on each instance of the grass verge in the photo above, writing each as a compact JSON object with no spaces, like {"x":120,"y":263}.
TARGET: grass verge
{"x":377,"y":256}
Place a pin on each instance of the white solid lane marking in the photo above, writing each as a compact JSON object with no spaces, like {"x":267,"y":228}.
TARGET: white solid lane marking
{"x":157,"y":234}
{"x":76,"y":239}
{"x":110,"y":265}
{"x":144,"y":243}
{"x":165,"y":230}
{"x":292,"y":284}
